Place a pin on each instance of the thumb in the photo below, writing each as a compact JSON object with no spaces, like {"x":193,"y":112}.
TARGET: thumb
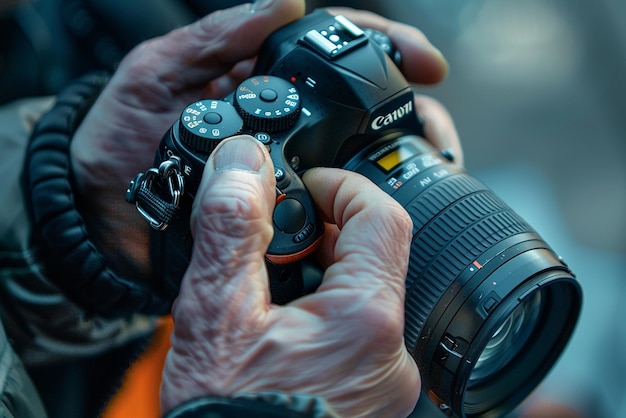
{"x":224,"y":297}
{"x":231,"y":226}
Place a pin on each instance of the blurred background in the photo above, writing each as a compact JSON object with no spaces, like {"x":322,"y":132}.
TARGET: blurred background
{"x":536,"y":88}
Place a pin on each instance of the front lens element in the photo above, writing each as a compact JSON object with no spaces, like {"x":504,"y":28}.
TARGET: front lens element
{"x":507,"y":340}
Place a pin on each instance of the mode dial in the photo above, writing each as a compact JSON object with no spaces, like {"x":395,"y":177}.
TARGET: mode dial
{"x":268,"y":103}
{"x":204,"y":124}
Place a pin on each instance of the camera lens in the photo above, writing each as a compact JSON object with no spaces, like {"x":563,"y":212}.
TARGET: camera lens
{"x":507,"y":340}
{"x":537,"y":324}
{"x":489,"y":306}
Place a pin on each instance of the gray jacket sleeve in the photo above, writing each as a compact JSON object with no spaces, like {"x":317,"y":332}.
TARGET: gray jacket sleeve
{"x":41,"y":323}
{"x":18,"y":396}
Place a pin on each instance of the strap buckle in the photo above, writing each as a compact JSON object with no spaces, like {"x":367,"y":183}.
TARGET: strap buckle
{"x":145,"y":191}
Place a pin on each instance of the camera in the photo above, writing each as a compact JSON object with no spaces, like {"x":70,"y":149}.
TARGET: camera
{"x":489,"y":305}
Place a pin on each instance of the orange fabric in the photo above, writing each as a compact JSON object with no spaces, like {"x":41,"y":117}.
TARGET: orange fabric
{"x":138,"y":396}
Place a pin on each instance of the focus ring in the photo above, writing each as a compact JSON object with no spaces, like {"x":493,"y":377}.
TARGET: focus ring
{"x":455,"y":221}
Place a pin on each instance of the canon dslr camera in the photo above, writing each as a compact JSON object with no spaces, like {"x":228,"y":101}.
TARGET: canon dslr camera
{"x":489,"y":305}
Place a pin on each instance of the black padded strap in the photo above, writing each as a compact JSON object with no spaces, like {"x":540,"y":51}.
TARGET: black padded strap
{"x":72,"y":261}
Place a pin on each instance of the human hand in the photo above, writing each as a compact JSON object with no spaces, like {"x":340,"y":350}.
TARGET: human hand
{"x":119,"y":136}
{"x":207,"y":59}
{"x":343,"y":343}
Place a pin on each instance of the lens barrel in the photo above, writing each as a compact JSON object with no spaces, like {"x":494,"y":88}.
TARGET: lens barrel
{"x":489,"y":305}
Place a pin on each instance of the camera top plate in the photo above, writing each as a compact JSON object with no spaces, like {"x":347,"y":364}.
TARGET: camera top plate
{"x":335,"y":39}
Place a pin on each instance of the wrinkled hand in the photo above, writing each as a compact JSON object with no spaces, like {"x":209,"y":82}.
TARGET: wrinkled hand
{"x":207,"y":59}
{"x":343,"y":343}
{"x":153,"y":84}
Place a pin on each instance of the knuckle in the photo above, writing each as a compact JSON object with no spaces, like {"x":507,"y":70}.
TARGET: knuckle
{"x":233,"y":214}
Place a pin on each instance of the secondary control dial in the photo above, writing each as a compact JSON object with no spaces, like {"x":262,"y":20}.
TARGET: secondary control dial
{"x":268,"y":103}
{"x":204,"y":124}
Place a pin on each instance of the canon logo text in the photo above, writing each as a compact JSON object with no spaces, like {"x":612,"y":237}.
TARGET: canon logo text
{"x":386,"y":120}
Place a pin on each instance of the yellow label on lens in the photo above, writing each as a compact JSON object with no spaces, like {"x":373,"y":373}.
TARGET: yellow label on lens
{"x":394,"y":158}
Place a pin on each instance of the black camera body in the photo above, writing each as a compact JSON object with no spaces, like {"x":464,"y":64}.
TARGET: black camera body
{"x":489,"y":305}
{"x":314,"y":103}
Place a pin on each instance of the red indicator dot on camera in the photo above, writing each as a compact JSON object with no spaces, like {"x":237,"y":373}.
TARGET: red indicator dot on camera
{"x":293,"y":79}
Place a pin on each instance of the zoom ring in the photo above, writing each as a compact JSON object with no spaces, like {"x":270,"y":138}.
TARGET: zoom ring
{"x":455,"y":221}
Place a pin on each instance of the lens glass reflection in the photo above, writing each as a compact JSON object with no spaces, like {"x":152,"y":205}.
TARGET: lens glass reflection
{"x":507,"y":340}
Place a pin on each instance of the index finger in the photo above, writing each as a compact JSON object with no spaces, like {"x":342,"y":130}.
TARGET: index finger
{"x":196,"y":54}
{"x":422,"y":63}
{"x":372,"y":249}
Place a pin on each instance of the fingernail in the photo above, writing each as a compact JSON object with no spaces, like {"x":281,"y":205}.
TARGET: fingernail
{"x":239,"y":153}
{"x":261,"y":5}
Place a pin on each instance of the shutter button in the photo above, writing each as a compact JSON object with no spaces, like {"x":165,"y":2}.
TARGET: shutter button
{"x":289,"y":216}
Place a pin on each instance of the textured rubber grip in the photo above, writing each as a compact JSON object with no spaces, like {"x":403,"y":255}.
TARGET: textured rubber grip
{"x":455,"y":220}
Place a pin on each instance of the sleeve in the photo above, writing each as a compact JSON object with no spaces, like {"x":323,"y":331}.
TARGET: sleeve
{"x":18,"y":396}
{"x":259,"y":405}
{"x":42,"y":324}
